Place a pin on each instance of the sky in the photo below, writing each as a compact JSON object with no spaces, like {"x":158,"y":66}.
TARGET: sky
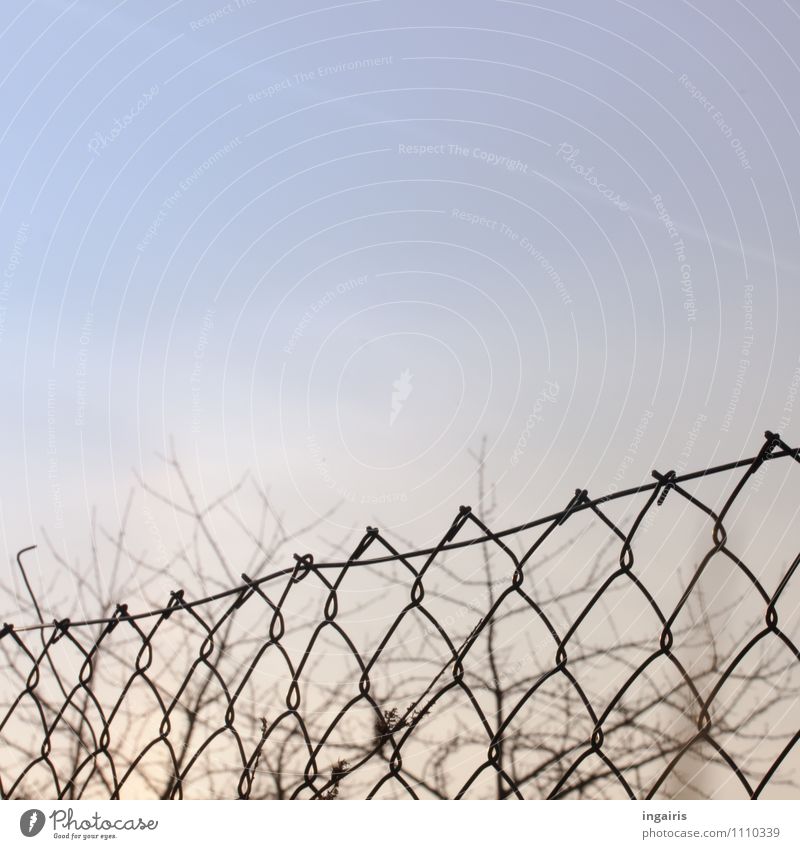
{"x":338,"y":245}
{"x":350,"y":248}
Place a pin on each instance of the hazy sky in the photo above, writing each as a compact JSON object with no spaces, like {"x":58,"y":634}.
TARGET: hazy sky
{"x":337,"y":244}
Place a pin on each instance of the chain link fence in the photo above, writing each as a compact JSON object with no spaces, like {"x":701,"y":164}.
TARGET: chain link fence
{"x":548,"y":660}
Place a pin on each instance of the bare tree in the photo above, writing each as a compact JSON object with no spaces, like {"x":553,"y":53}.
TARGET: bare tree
{"x":500,"y":669}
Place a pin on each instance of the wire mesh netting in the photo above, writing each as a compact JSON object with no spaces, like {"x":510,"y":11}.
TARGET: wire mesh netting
{"x":637,"y":645}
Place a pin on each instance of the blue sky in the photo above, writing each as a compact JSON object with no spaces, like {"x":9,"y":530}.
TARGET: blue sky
{"x":571,"y":229}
